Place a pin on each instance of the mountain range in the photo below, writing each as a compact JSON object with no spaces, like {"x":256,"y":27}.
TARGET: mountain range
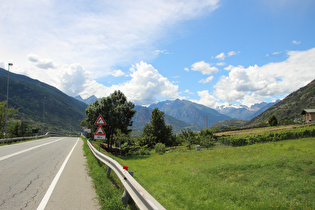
{"x":242,"y":112}
{"x":38,"y":102}
{"x":41,"y":105}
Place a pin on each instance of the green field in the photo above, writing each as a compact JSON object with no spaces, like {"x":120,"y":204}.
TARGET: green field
{"x":260,"y":176}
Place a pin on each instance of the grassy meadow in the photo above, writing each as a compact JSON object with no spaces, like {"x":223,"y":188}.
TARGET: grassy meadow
{"x":260,"y":176}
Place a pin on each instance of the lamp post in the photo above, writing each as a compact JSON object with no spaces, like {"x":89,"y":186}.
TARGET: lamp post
{"x":6,"y":115}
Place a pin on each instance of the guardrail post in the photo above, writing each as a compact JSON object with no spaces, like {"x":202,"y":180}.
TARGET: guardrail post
{"x":125,"y":197}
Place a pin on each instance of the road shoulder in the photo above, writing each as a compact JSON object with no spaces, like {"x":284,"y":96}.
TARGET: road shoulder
{"x":74,"y":189}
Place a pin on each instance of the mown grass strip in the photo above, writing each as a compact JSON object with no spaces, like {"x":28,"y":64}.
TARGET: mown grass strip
{"x":261,"y":176}
{"x":109,"y":190}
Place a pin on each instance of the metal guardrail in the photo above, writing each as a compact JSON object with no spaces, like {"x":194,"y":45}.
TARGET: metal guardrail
{"x":21,"y":138}
{"x":139,"y":195}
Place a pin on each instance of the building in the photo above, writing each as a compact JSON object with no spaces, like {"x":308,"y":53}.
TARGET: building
{"x":309,"y":115}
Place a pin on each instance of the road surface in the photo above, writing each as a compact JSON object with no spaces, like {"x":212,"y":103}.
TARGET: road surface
{"x":45,"y":174}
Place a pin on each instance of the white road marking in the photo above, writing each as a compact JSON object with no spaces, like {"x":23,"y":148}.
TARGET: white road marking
{"x":52,"y":186}
{"x":29,"y":149}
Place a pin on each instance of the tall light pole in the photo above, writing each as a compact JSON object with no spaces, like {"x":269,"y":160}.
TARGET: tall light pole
{"x":6,"y":115}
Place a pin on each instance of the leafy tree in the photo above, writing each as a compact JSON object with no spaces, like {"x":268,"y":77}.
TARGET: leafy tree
{"x":206,"y":137}
{"x":273,"y":121}
{"x":158,"y":129}
{"x":116,"y":111}
{"x":11,"y":113}
{"x":188,"y":137}
{"x":147,"y":139}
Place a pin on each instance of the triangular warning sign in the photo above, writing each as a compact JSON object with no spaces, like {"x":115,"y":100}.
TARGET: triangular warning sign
{"x":99,"y":131}
{"x":100,"y":121}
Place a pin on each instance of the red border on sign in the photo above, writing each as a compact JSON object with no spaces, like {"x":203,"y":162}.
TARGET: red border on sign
{"x":100,"y":117}
{"x":103,"y":132}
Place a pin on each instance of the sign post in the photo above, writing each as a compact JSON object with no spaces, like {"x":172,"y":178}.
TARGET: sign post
{"x":99,"y":133}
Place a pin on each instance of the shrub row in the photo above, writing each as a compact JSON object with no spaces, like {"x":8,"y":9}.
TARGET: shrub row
{"x":294,"y":133}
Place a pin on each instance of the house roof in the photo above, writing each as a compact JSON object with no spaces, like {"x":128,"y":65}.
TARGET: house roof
{"x":307,"y":111}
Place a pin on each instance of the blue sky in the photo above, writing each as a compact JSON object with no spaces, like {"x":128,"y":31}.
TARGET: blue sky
{"x":212,"y":52}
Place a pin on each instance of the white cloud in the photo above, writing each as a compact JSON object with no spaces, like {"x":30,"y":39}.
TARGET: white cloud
{"x":145,"y":87}
{"x":186,"y":69}
{"x":221,"y":56}
{"x":274,"y":53}
{"x":187,"y":91}
{"x":33,"y":58}
{"x":206,"y":99}
{"x":147,"y":84}
{"x":98,"y":34}
{"x":204,"y":68}
{"x":221,"y":64}
{"x":42,"y":64}
{"x":157,"y":52}
{"x":118,"y":73}
{"x":248,"y":85}
{"x":296,"y":42}
{"x":208,"y":79}
{"x":231,"y":53}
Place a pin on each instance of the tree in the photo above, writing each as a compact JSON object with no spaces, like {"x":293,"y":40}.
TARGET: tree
{"x":116,"y":111}
{"x":188,"y":137}
{"x":273,"y":121}
{"x":11,"y":113}
{"x":157,"y":129}
{"x":206,"y":137}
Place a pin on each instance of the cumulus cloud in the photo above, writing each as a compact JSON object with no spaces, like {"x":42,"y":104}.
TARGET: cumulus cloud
{"x":206,"y":99}
{"x":204,"y":68}
{"x":72,"y":79}
{"x":145,"y":86}
{"x":118,"y":73}
{"x":254,"y":83}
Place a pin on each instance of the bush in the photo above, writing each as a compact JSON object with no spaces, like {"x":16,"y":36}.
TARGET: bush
{"x":159,"y":148}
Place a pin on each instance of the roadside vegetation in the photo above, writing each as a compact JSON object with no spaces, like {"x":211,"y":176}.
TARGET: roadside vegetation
{"x":110,"y":189}
{"x":241,"y":169}
{"x":261,"y":176}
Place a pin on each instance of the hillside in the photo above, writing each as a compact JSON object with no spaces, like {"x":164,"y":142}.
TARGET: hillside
{"x":289,"y":109}
{"x":32,"y":97}
{"x":229,"y":123}
{"x":143,"y":116}
{"x":190,"y":112}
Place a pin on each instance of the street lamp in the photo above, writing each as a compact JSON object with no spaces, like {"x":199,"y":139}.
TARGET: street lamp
{"x":6,"y":116}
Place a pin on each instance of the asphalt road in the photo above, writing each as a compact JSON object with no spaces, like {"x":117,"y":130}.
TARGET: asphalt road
{"x":45,"y":174}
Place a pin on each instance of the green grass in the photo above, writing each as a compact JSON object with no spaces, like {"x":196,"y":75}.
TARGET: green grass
{"x":261,"y":176}
{"x":110,"y":189}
